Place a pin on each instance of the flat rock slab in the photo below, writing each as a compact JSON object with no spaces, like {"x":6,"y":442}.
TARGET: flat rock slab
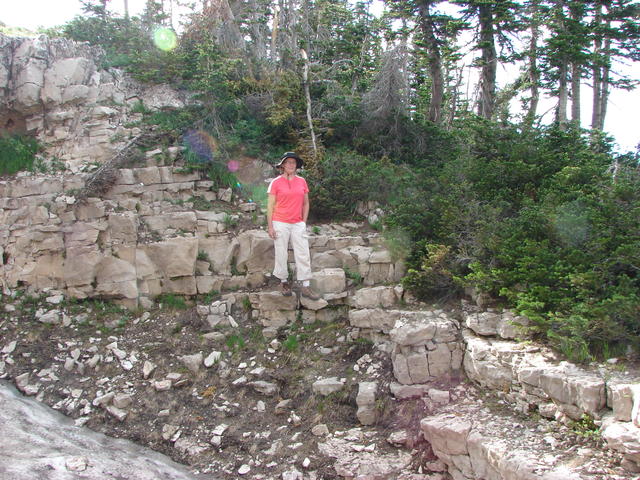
{"x":38,"y":442}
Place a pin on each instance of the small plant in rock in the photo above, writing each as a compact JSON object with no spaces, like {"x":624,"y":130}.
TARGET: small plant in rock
{"x":209,"y":392}
{"x":291,"y":344}
{"x":203,"y":256}
{"x":246,"y":303}
{"x":234,"y":268}
{"x":171,"y":301}
{"x":139,"y":107}
{"x":230,"y":221}
{"x":235,"y":342}
{"x":377,"y":225}
{"x":586,"y":427}
{"x":208,"y":298}
{"x":315,"y":229}
{"x":356,"y":277}
{"x":200,"y":203}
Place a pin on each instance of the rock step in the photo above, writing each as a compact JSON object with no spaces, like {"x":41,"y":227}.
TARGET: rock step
{"x":475,"y":442}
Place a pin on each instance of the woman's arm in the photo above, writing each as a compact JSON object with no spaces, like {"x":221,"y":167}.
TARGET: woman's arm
{"x":271,"y":203}
{"x":305,"y":208}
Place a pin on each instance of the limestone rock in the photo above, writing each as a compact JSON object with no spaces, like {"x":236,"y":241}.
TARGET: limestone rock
{"x":623,"y":437}
{"x":329,"y":280}
{"x":327,"y":386}
{"x":56,"y":445}
{"x":375,"y":297}
{"x":366,"y":401}
{"x":266,"y":388}
{"x":192,"y":362}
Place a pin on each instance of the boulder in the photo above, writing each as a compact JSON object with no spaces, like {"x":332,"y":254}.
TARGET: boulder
{"x":366,"y":402}
{"x":175,"y":257}
{"x":329,"y":280}
{"x":375,"y":297}
{"x":327,"y":386}
{"x":255,"y":251}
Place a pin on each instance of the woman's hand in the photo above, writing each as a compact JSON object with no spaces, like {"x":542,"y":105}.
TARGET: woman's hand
{"x":272,"y":232}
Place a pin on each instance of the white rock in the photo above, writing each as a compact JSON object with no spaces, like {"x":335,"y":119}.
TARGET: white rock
{"x":162,"y":385}
{"x":220,"y":429}
{"x":327,"y":386}
{"x":439,"y":396}
{"x":55,"y":299}
{"x":69,"y":363}
{"x":240,"y":381}
{"x":244,"y":469}
{"x":320,"y":430}
{"x":93,"y":361}
{"x":52,"y":317}
{"x":192,"y":362}
{"x":103,"y":400}
{"x":292,"y":475}
{"x":266,"y":388}
{"x":148,"y":368}
{"x":10,"y":347}
{"x":123,"y":400}
{"x":168,"y":431}
{"x":76,"y":464}
{"x":118,"y":413}
{"x":212,"y":359}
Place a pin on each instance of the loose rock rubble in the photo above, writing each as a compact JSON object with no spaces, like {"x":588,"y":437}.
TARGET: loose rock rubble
{"x":325,"y":405}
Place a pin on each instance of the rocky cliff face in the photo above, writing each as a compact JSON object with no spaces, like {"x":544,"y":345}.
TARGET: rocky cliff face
{"x":55,"y":89}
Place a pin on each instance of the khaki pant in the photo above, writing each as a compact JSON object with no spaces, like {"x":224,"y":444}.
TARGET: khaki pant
{"x":297,"y":233}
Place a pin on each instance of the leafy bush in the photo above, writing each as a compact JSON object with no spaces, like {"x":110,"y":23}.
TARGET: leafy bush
{"x":17,"y":153}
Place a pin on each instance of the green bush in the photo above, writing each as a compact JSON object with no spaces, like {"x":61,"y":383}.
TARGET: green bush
{"x":342,"y":178}
{"x":17,"y":153}
{"x":431,"y":275}
{"x":538,"y":222}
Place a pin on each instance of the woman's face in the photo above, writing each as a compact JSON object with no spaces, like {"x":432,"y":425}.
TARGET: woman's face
{"x":289,"y":166}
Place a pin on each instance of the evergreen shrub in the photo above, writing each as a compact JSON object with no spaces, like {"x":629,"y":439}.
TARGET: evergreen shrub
{"x":17,"y":153}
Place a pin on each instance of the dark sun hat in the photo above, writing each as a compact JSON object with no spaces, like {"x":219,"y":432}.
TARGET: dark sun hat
{"x":299,"y":161}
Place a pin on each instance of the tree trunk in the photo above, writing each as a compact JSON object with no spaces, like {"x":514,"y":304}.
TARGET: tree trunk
{"x":532,"y":70}
{"x":575,"y":93}
{"x":126,"y":9}
{"x":307,"y":94}
{"x":274,"y":33}
{"x":597,"y":72}
{"x":561,"y":112}
{"x":434,"y":61}
{"x":257,"y":34}
{"x":486,"y":102}
{"x":604,"y":97}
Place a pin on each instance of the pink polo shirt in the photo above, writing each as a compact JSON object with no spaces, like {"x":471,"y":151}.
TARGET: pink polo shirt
{"x":289,"y":198}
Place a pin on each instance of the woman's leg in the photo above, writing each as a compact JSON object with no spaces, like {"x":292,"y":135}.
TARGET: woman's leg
{"x":281,"y":246}
{"x":301,"y":253}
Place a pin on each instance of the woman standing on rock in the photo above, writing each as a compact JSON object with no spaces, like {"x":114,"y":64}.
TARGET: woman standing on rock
{"x":287,"y":212}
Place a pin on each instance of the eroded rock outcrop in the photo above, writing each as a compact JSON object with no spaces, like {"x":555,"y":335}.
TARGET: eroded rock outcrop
{"x":54,"y":88}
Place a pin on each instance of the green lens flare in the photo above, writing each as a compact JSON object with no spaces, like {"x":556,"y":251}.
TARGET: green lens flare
{"x":165,"y":39}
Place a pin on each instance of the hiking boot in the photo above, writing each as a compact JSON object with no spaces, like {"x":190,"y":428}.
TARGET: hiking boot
{"x":285,"y":288}
{"x":308,"y":293}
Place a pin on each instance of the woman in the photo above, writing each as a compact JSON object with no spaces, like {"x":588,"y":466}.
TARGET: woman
{"x":287,"y":212}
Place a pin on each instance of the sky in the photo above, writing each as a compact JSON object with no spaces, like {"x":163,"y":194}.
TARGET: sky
{"x":621,"y":121}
